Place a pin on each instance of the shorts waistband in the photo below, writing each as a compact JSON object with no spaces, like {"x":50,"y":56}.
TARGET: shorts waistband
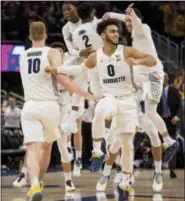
{"x":62,"y":90}
{"x":125,"y":95}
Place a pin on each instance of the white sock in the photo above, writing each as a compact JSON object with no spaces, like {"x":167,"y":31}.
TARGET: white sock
{"x":73,"y":116}
{"x":107,"y":170}
{"x":24,"y":170}
{"x":158,"y":166}
{"x":168,"y":140}
{"x":67,"y":176}
{"x":35,"y":181}
{"x":78,"y":154}
{"x":97,"y":147}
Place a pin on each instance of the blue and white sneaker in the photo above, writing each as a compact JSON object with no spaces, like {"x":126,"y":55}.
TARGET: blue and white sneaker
{"x":102,"y":183}
{"x":97,"y":160}
{"x":170,"y":151}
{"x":157,"y":182}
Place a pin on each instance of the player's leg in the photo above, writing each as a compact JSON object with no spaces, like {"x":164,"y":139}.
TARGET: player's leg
{"x":47,"y":123}
{"x":171,"y":145}
{"x":33,"y":139}
{"x":69,"y":147}
{"x":45,"y":159}
{"x":105,"y":109}
{"x":66,"y":164}
{"x":22,"y":178}
{"x":78,"y":149}
{"x":155,"y":86}
{"x":126,"y":121}
{"x":148,"y":126}
{"x":113,"y":151}
{"x":118,"y":175}
{"x":126,"y":142}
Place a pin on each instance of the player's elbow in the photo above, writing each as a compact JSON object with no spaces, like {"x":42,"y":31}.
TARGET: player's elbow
{"x":152,"y":61}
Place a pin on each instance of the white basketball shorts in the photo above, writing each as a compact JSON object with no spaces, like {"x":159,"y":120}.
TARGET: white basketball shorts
{"x":40,"y":121}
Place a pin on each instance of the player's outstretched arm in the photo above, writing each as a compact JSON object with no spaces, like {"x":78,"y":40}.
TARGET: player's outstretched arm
{"x":75,"y":70}
{"x":134,"y":57}
{"x":116,"y":16}
{"x":68,"y":84}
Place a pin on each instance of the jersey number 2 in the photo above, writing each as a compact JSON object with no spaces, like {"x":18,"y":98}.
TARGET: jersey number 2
{"x":33,"y":65}
{"x":111,"y":71}
{"x":86,"y":39}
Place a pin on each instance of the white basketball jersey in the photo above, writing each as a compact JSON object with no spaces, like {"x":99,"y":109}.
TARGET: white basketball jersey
{"x":147,"y":46}
{"x":85,"y":36}
{"x":115,"y":75}
{"x":36,"y":83}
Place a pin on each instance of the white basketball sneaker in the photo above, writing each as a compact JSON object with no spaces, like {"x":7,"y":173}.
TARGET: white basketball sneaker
{"x":69,"y":186}
{"x":157,"y":182}
{"x":20,"y":181}
{"x":77,"y":167}
{"x":102,"y":183}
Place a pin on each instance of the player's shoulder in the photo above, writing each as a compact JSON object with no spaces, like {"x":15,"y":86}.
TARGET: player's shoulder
{"x":147,"y":28}
{"x":53,"y":51}
{"x":65,"y":27}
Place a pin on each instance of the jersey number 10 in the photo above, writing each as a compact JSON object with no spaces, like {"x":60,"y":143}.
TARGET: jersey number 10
{"x":33,"y":65}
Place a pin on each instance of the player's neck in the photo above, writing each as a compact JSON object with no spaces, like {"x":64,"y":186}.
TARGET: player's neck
{"x":86,"y":21}
{"x":38,"y":44}
{"x":109,"y":49}
{"x":75,"y":20}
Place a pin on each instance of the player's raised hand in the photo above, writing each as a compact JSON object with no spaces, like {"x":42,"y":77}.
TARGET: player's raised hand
{"x":132,"y":62}
{"x":51,"y":69}
{"x":129,"y":9}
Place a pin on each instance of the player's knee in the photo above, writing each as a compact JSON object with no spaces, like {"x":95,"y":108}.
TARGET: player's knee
{"x":99,"y":114}
{"x":127,"y":141}
{"x":47,"y":148}
{"x":62,"y":147}
{"x":155,"y":140}
{"x":115,"y":146}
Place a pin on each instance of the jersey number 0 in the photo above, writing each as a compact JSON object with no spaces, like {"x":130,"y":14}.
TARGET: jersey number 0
{"x":33,"y":65}
{"x":110,"y":70}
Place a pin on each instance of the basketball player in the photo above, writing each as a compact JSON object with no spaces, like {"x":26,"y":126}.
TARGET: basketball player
{"x":153,"y":77}
{"x":65,"y":100}
{"x":40,"y":116}
{"x":69,"y":11}
{"x":113,"y":63}
{"x":151,"y":121}
{"x":86,"y":36}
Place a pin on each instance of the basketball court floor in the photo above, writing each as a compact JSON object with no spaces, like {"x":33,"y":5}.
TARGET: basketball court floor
{"x":142,"y":189}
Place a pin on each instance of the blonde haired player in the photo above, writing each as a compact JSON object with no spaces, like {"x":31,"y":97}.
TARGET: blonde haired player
{"x":41,"y":115}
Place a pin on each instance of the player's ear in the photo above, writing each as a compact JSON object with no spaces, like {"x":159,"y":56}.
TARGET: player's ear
{"x":46,"y":36}
{"x":30,"y":37}
{"x":103,"y":35}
